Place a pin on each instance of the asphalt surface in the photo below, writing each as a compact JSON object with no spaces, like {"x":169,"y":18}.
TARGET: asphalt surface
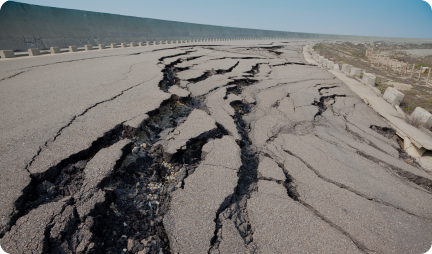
{"x":222,"y":147}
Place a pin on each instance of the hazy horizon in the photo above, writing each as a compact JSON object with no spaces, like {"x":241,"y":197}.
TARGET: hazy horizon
{"x":384,"y":18}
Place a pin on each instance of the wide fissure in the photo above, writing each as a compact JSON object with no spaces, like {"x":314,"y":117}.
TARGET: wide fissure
{"x":235,"y":207}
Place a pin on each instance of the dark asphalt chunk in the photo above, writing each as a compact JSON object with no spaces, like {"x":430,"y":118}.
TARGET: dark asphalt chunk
{"x":64,"y":224}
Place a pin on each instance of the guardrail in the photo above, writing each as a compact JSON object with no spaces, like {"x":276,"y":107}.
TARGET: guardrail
{"x":89,"y":47}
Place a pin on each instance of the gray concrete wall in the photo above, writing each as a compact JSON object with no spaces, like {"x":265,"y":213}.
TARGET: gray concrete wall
{"x":26,"y":26}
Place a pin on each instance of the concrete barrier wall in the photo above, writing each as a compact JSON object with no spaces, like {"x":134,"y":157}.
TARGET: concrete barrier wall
{"x":26,"y":26}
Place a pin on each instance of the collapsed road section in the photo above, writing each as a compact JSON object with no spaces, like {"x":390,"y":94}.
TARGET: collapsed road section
{"x":209,"y":149}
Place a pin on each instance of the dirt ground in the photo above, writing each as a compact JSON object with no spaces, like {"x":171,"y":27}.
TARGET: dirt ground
{"x":420,"y":95}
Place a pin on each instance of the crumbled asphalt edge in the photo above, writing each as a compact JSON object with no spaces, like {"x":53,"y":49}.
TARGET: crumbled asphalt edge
{"x":391,"y":134}
{"x":325,"y":102}
{"x":385,"y":131}
{"x":68,"y":174}
{"x":72,"y":238}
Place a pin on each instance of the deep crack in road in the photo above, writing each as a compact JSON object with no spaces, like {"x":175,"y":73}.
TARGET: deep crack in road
{"x":229,"y":148}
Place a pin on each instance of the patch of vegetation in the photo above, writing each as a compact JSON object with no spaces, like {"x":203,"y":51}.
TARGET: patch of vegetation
{"x":317,"y":47}
{"x":377,"y":80}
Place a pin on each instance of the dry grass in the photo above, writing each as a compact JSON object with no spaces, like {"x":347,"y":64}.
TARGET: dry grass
{"x":418,"y":96}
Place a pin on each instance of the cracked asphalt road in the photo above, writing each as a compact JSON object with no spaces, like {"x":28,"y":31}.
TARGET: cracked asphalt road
{"x":229,"y":147}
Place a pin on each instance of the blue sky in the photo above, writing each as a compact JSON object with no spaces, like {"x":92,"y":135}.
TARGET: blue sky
{"x":390,"y":18}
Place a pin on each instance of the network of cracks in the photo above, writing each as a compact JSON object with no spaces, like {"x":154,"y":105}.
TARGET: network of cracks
{"x":122,"y":209}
